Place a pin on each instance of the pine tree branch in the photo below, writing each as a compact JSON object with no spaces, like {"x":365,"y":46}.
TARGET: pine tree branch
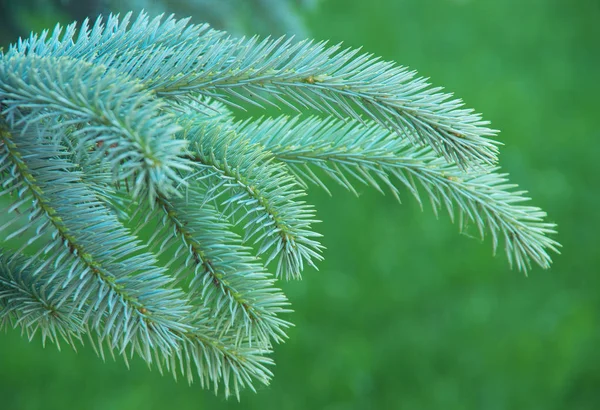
{"x":374,"y":156}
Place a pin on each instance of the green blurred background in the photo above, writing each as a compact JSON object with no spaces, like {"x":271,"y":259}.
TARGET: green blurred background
{"x":405,"y":313}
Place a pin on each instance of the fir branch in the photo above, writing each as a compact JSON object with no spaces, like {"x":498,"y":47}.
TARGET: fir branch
{"x":374,"y":156}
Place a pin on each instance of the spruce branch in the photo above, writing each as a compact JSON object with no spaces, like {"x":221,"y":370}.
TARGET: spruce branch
{"x":336,"y":81}
{"x":264,"y":191}
{"x":376,"y":157}
{"x":155,"y":51}
{"x":91,"y":245}
{"x":36,"y":304}
{"x":125,"y":306}
{"x":343,"y":83}
{"x":112,"y":130}
{"x":124,"y":121}
{"x":231,"y":283}
{"x":219,"y":358}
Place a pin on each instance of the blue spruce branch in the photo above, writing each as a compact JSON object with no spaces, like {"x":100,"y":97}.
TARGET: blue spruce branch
{"x":126,"y":177}
{"x":266,"y":193}
{"x":35,"y":303}
{"x":377,"y":157}
{"x":230,"y":282}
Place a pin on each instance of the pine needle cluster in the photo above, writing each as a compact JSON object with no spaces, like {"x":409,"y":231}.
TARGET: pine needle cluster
{"x":129,"y":180}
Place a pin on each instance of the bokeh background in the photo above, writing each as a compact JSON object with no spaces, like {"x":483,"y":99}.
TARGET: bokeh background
{"x":405,"y":313}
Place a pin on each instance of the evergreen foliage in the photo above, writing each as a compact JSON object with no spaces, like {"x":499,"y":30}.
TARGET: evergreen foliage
{"x":112,"y":131}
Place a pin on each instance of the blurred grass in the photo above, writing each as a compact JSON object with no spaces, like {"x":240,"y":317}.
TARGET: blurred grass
{"x":405,"y":313}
